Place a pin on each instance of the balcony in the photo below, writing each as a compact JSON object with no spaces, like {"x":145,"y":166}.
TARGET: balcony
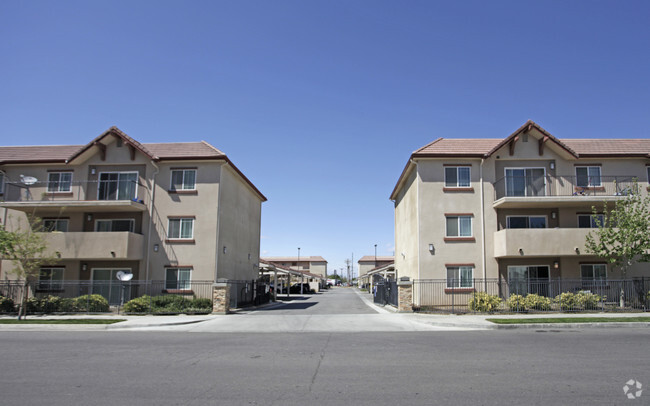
{"x":96,"y":245}
{"x":559,"y":191}
{"x":105,"y":196}
{"x":540,"y":242}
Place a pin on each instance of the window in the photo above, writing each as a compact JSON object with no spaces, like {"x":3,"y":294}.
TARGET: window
{"x":117,"y":186}
{"x":460,"y":277}
{"x":115,"y":225}
{"x":59,"y":182}
{"x":647,"y":170}
{"x":459,"y":226}
{"x":588,"y":176}
{"x":178,"y":278}
{"x":50,"y":225}
{"x":457,"y":176}
{"x":526,"y":222}
{"x":525,"y":181}
{"x":181,"y":228}
{"x":589,"y":220}
{"x":184,"y":179}
{"x":2,"y":183}
{"x":50,"y":279}
{"x":596,"y":273}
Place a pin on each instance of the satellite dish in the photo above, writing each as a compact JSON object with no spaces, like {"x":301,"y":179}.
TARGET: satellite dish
{"x":124,"y":276}
{"x":28,"y":180}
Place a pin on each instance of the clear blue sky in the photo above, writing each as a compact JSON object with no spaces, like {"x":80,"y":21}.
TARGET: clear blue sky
{"x":320,"y":103}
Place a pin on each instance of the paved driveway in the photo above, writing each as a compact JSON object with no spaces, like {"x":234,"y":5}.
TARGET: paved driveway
{"x":332,"y":301}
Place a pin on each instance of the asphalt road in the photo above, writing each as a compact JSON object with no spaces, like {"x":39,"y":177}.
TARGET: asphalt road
{"x":333,"y":301}
{"x":582,"y":367}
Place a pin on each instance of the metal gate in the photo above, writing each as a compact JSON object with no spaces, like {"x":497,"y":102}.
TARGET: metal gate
{"x":385,"y":292}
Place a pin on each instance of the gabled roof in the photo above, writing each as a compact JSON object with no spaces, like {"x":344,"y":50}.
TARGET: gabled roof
{"x":371,"y":258}
{"x":294,"y":259}
{"x":486,"y":147}
{"x":114,"y":131}
{"x":37,"y":154}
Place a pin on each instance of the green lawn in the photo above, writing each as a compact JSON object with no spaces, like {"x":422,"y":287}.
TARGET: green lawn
{"x":61,"y":321}
{"x":572,"y":320}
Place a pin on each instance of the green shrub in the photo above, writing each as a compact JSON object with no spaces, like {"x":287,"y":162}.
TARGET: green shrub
{"x":483,"y":302}
{"x":516,"y":303}
{"x":567,"y":301}
{"x":202,"y":303}
{"x":7,"y":305}
{"x":140,"y":304}
{"x":91,"y":303}
{"x":587,"y":300}
{"x":537,"y":302}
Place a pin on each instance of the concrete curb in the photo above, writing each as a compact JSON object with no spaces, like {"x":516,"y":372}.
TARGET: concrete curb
{"x":121,"y":326}
{"x":570,"y":325}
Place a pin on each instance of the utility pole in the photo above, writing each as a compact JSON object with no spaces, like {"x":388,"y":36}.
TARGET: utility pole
{"x":347,"y":264}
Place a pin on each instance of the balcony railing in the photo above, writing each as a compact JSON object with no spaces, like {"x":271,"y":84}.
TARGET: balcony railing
{"x":538,"y":186}
{"x":76,"y":191}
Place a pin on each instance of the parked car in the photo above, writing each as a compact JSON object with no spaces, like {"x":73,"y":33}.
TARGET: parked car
{"x":296,"y":288}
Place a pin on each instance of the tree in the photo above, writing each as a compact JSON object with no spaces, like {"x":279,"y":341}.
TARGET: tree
{"x":27,"y":250}
{"x":6,"y":243}
{"x":623,"y":235}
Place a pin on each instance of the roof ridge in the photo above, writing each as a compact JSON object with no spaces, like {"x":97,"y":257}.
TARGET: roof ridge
{"x":213,"y":147}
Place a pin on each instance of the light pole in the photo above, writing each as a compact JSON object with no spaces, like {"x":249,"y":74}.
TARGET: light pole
{"x":301,"y":276}
{"x":375,"y":255}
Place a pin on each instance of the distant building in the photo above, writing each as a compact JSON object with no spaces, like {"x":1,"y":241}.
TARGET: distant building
{"x":316,"y":265}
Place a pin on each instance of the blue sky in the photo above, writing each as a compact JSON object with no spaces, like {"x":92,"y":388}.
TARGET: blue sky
{"x":320,"y":103}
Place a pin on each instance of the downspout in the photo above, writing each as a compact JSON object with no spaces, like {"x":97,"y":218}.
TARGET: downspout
{"x":483,"y":250}
{"x":152,"y":195}
{"x":417,"y":204}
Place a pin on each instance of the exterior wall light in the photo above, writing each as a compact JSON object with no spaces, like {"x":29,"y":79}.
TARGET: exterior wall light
{"x":156,"y":247}
{"x":521,"y":251}
{"x":432,"y":249}
{"x":556,"y":264}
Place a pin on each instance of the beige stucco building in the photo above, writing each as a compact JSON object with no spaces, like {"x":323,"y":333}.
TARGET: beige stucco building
{"x":173,"y":212}
{"x":313,"y":264}
{"x":370,"y":262}
{"x":518,"y":207}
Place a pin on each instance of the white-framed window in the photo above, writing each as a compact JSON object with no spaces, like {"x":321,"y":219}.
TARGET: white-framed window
{"x":588,"y":176}
{"x":593,"y":272}
{"x":117,"y":186}
{"x":178,"y":278}
{"x":50,"y":278}
{"x":115,"y":225}
{"x":526,"y":222}
{"x":180,"y":228}
{"x":183,"y":179}
{"x":457,"y":176}
{"x":50,"y":225}
{"x":58,"y":182}
{"x":525,"y":181}
{"x":589,"y":220}
{"x":459,"y":226}
{"x":460,"y":277}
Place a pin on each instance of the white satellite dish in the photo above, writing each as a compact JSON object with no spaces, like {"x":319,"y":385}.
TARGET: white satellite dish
{"x":124,"y":276}
{"x":28,"y":180}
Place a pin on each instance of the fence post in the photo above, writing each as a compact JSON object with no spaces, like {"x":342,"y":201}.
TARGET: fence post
{"x":220,"y":298}
{"x":404,"y":294}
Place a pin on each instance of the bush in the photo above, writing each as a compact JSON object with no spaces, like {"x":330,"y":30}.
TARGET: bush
{"x":587,"y":300}
{"x":567,"y":301}
{"x":7,"y":305}
{"x":91,"y":303}
{"x":202,"y":303}
{"x":483,"y":302}
{"x":516,"y":303}
{"x":537,"y":302}
{"x":140,"y":304}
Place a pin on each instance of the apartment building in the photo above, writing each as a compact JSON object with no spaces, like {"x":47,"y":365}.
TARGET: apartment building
{"x":316,"y":265}
{"x":519,"y":207}
{"x":369,"y":262}
{"x":173,"y":212}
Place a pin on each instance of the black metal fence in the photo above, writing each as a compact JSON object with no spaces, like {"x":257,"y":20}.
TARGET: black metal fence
{"x":530,"y":295}
{"x":385,"y":292}
{"x":134,"y":296}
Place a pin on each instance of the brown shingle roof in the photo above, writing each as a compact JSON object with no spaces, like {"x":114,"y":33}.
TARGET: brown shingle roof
{"x":458,"y":147}
{"x":293,"y":259}
{"x":608,"y":147}
{"x":29,"y":154}
{"x":183,"y":150}
{"x":371,"y":258}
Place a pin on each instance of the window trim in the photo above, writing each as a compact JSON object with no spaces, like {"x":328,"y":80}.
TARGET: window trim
{"x":589,"y":184}
{"x":458,"y":186}
{"x":47,"y":285}
{"x":99,"y":181}
{"x":471,"y":268}
{"x":178,"y":289}
{"x":459,"y":237}
{"x":58,"y":182}
{"x":179,"y":238}
{"x":593,"y":280}
{"x":56,"y":220}
{"x":545,"y":217}
{"x":172,"y":189}
{"x":132,"y":221}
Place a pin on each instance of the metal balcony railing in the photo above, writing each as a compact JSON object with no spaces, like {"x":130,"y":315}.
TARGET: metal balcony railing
{"x":537,"y":186}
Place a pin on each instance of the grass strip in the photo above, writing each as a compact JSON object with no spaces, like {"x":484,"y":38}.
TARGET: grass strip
{"x":61,"y":321}
{"x":572,"y":320}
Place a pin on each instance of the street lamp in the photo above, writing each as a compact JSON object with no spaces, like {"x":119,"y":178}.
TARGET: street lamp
{"x":375,"y":255}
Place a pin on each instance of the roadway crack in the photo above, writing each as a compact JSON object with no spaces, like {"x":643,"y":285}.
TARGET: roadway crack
{"x":320,"y":359}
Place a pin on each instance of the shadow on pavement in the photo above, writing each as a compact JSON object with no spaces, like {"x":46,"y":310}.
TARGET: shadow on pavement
{"x":290,"y":306}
